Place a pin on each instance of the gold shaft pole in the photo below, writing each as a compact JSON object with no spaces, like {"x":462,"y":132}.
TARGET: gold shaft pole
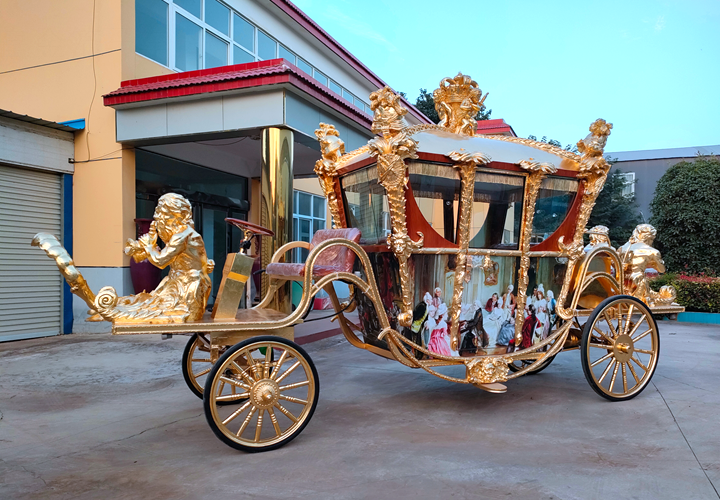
{"x":276,"y":207}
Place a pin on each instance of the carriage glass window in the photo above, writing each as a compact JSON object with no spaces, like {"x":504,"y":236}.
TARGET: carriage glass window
{"x":497,"y":211}
{"x":366,"y":206}
{"x":554,"y":200}
{"x":436,"y":190}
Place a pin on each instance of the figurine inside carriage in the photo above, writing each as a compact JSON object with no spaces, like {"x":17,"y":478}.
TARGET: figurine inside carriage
{"x":461,"y":251}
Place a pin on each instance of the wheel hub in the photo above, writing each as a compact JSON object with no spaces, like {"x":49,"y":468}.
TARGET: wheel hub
{"x":623,"y":348}
{"x":264,"y":394}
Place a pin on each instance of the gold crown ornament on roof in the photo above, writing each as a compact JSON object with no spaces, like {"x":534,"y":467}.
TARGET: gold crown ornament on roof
{"x":457,"y":102}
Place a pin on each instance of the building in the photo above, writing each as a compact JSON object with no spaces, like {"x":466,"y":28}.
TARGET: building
{"x":495,"y":126}
{"x":215,"y":100}
{"x":643,"y":169}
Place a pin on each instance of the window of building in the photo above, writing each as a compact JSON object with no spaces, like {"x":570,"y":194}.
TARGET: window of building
{"x":335,"y":87}
{"x":208,"y":34}
{"x":188,"y":44}
{"x":151,"y":30}
{"x":267,"y":47}
{"x":243,"y":33}
{"x":241,"y":56}
{"x":194,"y":7}
{"x":216,"y":51}
{"x":217,"y":16}
{"x":309,"y":216}
{"x":629,"y":178}
{"x":287,"y":54}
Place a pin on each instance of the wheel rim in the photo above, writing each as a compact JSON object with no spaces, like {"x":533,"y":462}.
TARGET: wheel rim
{"x":258,"y":402}
{"x":198,"y":361}
{"x":622,"y":348}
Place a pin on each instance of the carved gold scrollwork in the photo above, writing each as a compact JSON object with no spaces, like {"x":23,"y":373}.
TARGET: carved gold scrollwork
{"x":537,"y":171}
{"x":466,"y":165}
{"x":457,"y":102}
{"x":392,"y":147}
{"x":593,"y":172}
{"x":332,"y":149}
{"x":487,"y":370}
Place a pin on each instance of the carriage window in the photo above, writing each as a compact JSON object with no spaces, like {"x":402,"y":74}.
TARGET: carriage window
{"x":436,"y":189}
{"x":366,"y":205}
{"x":497,"y":211}
{"x":555,"y":198}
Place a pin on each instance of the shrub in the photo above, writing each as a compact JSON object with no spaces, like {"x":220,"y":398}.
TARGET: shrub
{"x":686,"y":214}
{"x":697,"y":293}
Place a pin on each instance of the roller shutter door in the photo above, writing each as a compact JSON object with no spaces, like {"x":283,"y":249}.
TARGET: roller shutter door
{"x":30,"y":284}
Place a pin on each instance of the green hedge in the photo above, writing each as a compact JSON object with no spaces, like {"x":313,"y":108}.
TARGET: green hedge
{"x":696,"y":293}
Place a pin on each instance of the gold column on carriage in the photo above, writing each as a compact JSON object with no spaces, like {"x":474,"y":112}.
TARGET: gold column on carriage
{"x":276,"y":210}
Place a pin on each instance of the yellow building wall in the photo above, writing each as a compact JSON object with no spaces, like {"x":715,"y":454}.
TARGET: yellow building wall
{"x":50,"y":73}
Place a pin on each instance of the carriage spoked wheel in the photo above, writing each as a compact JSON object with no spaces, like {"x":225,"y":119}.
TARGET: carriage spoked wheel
{"x":275,"y":397}
{"x":196,"y":363}
{"x":517,"y":365}
{"x":620,"y":348}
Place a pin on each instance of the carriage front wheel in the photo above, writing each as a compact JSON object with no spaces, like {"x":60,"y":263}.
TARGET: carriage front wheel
{"x":275,"y":394}
{"x":620,"y":347}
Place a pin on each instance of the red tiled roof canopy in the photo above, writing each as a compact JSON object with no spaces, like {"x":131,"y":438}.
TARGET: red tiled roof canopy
{"x":225,"y":78}
{"x":496,"y":126}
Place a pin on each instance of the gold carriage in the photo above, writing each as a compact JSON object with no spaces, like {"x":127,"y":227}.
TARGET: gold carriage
{"x":464,"y":255}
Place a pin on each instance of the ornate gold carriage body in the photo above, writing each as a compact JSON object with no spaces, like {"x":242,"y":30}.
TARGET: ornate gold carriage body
{"x":460,"y":250}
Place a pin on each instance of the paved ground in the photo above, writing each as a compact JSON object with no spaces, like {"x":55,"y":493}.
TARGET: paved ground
{"x":105,"y":417}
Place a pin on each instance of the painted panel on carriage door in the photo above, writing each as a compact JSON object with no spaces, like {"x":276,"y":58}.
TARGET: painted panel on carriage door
{"x":489,"y":302}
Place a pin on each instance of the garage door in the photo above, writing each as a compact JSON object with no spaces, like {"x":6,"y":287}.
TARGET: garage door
{"x":30,"y":284}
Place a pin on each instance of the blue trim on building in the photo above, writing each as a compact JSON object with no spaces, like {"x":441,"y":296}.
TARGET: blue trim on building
{"x":699,"y":317}
{"x":67,"y":221}
{"x":78,"y":124}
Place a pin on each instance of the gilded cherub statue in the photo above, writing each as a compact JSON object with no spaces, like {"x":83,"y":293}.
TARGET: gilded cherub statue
{"x":599,"y":236}
{"x":637,"y":255}
{"x":180,"y":297}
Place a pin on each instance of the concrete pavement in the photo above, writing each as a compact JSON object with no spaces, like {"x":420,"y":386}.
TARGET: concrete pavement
{"x":96,"y":416}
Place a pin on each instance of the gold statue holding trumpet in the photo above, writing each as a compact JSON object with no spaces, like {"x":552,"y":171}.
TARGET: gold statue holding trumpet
{"x":181,"y":296}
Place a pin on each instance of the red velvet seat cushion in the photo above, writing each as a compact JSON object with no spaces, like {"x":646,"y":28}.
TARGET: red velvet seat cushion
{"x":331,"y":260}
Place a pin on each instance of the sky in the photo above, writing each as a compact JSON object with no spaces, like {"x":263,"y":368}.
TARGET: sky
{"x":652,"y":68}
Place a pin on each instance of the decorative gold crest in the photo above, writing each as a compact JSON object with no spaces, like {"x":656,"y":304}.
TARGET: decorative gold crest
{"x":332,"y":149}
{"x":457,"y":102}
{"x":392,"y":147}
{"x":487,"y":370}
{"x":388,"y":112}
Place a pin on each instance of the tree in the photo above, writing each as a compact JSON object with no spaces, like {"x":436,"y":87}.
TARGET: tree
{"x":686,"y":214}
{"x":426,"y":104}
{"x":553,"y":142}
{"x":616,"y":210}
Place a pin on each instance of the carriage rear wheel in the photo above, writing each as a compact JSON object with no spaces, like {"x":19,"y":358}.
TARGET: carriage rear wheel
{"x":517,"y":365}
{"x":620,"y":347}
{"x":196,"y":363}
{"x":275,"y":394}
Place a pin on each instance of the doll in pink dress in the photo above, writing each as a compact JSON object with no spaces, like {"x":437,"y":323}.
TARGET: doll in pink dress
{"x":438,"y":338}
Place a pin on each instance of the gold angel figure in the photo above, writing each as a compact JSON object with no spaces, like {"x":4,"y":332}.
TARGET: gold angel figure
{"x":180,"y":297}
{"x":637,"y":255}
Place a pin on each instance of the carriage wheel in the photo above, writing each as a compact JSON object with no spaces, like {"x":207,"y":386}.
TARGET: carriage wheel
{"x":517,"y":365}
{"x":196,"y":363}
{"x":274,"y":401}
{"x":620,"y":348}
